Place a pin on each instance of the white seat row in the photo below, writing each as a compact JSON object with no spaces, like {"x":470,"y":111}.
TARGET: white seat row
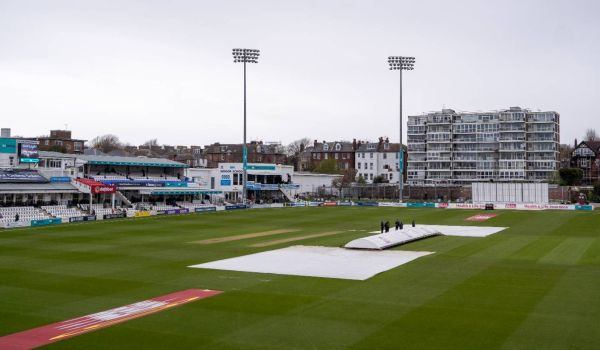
{"x":108,"y":177}
{"x":61,"y":211}
{"x":156,"y":178}
{"x":164,"y":207}
{"x":189,"y":205}
{"x":18,"y":209}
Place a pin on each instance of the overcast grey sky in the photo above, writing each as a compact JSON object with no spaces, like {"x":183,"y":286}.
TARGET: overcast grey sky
{"x":163,"y":69}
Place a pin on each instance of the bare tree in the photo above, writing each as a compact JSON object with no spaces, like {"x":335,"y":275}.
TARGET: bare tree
{"x":106,"y":143}
{"x":591,"y":135}
{"x":294,"y":148}
{"x":152,"y":142}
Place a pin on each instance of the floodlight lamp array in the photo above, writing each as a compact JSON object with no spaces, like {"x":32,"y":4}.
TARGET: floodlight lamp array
{"x":245,"y":55}
{"x":401,"y":63}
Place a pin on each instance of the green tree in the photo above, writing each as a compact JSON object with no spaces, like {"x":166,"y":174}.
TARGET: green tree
{"x":361,"y":180}
{"x":327,"y":166}
{"x":595,"y":193}
{"x":570,"y":176}
{"x":379,"y":179}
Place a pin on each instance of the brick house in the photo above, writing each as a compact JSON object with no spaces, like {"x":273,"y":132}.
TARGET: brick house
{"x":258,"y":152}
{"x":61,"y":141}
{"x":586,"y":156}
{"x":341,"y":151}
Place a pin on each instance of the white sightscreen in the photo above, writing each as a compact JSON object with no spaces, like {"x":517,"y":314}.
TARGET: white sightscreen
{"x":491,"y":192}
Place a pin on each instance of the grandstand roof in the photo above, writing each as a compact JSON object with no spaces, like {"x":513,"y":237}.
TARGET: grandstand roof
{"x":135,"y":161}
{"x":177,"y":191}
{"x":52,"y":187}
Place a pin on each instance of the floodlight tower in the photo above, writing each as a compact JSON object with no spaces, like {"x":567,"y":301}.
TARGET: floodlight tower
{"x":401,"y":63}
{"x":245,"y":56}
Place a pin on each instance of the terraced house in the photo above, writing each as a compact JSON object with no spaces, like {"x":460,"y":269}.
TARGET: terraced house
{"x":341,"y":151}
{"x":378,"y":160}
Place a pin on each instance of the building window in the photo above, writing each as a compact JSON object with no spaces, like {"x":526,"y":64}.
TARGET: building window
{"x":385,"y":156}
{"x":359,"y":165}
{"x":391,"y":176}
{"x":371,"y":176}
{"x":338,"y":147}
{"x":370,"y":155}
{"x":46,"y":142}
{"x":370,"y":166}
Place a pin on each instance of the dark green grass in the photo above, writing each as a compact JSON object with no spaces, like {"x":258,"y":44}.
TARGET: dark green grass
{"x":533,"y":286}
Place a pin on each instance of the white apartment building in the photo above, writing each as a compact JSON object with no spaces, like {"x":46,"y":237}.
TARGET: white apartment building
{"x":510,"y":145}
{"x":377,"y":159}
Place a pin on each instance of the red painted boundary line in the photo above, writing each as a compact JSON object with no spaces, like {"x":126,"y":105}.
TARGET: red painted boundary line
{"x":44,"y":335}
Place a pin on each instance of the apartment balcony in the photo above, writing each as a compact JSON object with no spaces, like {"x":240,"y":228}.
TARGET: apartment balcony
{"x":520,"y":149}
{"x":519,"y":139}
{"x":541,"y":151}
{"x":460,"y":140}
{"x":552,"y":140}
{"x":511,"y":121}
{"x":541,"y":130}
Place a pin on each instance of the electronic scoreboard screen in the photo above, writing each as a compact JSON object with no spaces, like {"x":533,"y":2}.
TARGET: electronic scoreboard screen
{"x":28,"y":153}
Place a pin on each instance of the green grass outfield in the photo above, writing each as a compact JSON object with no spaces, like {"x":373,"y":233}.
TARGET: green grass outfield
{"x":533,"y":286}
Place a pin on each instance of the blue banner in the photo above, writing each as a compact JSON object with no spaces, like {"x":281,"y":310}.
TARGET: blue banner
{"x":114,"y":216}
{"x":586,"y":207}
{"x":367,"y":204}
{"x":202,"y":209}
{"x":420,"y":205}
{"x":82,"y":218}
{"x":21,"y":176}
{"x":44,"y":222}
{"x":172,"y":211}
{"x":235,"y":206}
{"x":60,"y":179}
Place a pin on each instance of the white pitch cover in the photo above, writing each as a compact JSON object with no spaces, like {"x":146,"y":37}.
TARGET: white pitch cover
{"x":313,"y":261}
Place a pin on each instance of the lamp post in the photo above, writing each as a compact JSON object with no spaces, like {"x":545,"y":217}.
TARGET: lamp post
{"x":401,"y":63}
{"x":245,"y":56}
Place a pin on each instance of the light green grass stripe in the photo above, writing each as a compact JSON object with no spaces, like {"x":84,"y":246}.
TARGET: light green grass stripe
{"x":568,"y":252}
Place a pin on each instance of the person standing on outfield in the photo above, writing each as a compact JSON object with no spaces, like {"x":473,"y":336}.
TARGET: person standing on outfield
{"x":387,"y":226}
{"x":382,"y":226}
{"x":397,"y":224}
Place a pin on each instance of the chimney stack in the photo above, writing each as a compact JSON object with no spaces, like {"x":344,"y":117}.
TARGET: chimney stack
{"x":5,"y":132}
